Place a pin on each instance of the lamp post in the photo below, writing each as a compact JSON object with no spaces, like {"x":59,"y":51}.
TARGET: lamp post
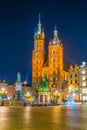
{"x":4,"y":94}
{"x":56,"y":96}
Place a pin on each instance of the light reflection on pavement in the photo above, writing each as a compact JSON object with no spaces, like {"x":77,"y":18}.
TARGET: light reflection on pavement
{"x":71,"y":117}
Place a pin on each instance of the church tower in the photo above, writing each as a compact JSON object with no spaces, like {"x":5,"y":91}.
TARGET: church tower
{"x":38,"y":55}
{"x":55,"y":60}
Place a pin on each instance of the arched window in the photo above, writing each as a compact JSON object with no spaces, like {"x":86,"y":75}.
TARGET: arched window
{"x":54,"y":59}
{"x":53,"y":52}
{"x":45,"y":74}
{"x":54,"y":85}
{"x":54,"y":72}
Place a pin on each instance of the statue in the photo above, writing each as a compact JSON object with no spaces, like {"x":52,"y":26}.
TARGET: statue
{"x":44,"y":82}
{"x":18,"y":77}
{"x":43,"y":86}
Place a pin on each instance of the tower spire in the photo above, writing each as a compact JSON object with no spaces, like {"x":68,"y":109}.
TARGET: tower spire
{"x":55,"y":32}
{"x":39,"y":26}
{"x":55,"y":27}
{"x":56,"y":39}
{"x":39,"y":18}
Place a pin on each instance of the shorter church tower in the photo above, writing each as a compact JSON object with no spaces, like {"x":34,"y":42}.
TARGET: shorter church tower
{"x":55,"y":60}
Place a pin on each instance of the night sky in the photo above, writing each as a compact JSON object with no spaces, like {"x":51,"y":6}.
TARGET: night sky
{"x":18,"y":20}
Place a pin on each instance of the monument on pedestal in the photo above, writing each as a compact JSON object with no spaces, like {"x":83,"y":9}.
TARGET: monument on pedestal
{"x":18,"y":94}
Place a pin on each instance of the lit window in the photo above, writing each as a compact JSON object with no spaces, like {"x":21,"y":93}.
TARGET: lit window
{"x":36,"y":56}
{"x":56,"y":71}
{"x":83,"y":77}
{"x":51,"y":79}
{"x":56,"y":65}
{"x":84,"y":90}
{"x":83,"y":71}
{"x":84,"y":97}
{"x":83,"y":83}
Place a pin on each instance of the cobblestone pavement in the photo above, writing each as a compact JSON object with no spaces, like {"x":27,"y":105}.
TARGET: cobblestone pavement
{"x":61,"y":117}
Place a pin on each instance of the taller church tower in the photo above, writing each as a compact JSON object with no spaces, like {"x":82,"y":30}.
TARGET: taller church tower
{"x":38,"y":55}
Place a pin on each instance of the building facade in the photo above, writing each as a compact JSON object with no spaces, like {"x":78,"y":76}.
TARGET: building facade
{"x":49,"y":67}
{"x":73,"y":78}
{"x":73,"y":81}
{"x":83,"y":81}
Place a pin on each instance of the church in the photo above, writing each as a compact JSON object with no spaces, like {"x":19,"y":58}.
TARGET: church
{"x":51,"y":66}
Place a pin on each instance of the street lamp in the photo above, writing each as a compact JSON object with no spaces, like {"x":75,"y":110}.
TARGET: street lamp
{"x":56,"y":96}
{"x":4,"y":92}
{"x":25,"y":82}
{"x":3,"y":89}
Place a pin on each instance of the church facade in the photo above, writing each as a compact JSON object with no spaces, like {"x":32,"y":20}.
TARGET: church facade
{"x":50,"y":67}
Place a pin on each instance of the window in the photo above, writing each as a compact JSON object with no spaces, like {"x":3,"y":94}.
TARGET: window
{"x":75,"y":81}
{"x":71,"y":82}
{"x":51,"y":79}
{"x":54,"y":85}
{"x":83,"y":83}
{"x":75,"y":75}
{"x":36,"y":80}
{"x":53,"y":65}
{"x":36,"y":68}
{"x":41,"y":98}
{"x":84,"y":90}
{"x":45,"y":74}
{"x":54,"y":59}
{"x":36,"y":62}
{"x":54,"y":72}
{"x":84,"y":97}
{"x":71,"y":76}
{"x":83,"y":77}
{"x":83,"y":71}
{"x":53,"y":52}
{"x":45,"y":98}
{"x":54,"y":79}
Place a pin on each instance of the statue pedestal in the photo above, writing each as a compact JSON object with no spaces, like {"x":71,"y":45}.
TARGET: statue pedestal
{"x":18,"y":94}
{"x":18,"y":98}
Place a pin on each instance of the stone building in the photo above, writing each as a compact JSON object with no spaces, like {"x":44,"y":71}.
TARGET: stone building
{"x":83,"y":81}
{"x":73,"y":81}
{"x":48,"y":66}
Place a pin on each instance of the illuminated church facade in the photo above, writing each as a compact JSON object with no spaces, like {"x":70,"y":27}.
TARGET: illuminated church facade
{"x":50,"y":67}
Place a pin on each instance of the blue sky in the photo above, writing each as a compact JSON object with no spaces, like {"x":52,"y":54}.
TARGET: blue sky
{"x":18,"y":20}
